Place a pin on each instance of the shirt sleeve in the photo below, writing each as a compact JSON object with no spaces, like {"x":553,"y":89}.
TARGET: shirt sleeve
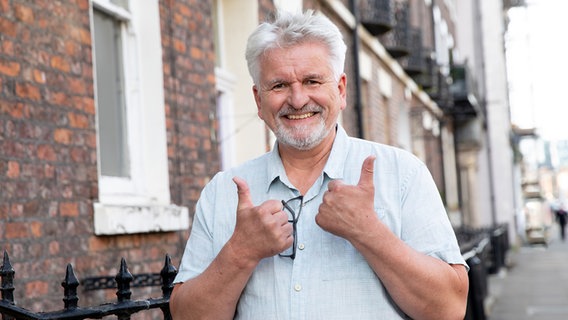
{"x":425,"y":223}
{"x":198,"y":252}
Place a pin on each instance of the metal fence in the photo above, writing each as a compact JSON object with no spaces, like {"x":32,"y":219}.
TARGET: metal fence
{"x":123,"y":308}
{"x":484,"y":250}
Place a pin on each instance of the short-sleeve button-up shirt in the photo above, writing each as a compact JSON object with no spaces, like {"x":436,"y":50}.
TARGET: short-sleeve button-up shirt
{"x":329,"y":278}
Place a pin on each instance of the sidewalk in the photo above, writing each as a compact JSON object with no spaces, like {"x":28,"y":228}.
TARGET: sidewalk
{"x":535,"y":286}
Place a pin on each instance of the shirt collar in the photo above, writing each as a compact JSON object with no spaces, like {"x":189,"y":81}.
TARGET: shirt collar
{"x":333,"y":168}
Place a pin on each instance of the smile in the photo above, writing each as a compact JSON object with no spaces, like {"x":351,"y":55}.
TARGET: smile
{"x":300,"y":116}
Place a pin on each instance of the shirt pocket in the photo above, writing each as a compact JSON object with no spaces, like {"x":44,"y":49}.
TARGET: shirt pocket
{"x":340,"y":260}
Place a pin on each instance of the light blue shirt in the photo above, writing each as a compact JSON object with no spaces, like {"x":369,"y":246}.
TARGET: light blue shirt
{"x":328,"y":279}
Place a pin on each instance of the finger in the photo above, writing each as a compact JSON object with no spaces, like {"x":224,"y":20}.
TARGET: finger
{"x":243,"y":193}
{"x":367,"y":172}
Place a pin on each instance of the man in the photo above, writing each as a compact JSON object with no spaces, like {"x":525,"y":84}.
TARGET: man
{"x":324,"y":226}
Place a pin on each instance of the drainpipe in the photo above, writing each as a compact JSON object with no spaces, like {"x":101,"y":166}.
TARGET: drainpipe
{"x":484,"y":116}
{"x":356,"y":73}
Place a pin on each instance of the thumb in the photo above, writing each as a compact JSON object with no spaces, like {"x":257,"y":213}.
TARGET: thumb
{"x":243,"y":193}
{"x":367,"y":172}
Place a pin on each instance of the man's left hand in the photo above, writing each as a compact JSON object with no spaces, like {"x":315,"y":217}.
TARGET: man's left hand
{"x":347,"y":211}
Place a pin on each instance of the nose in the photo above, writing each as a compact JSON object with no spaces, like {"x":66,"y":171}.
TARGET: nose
{"x":298,"y":96}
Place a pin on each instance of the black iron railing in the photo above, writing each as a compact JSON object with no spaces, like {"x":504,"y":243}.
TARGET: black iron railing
{"x":397,"y":40}
{"x":377,"y":16}
{"x":484,"y":250}
{"x":414,"y":63}
{"x":123,"y":308}
{"x":464,"y":92}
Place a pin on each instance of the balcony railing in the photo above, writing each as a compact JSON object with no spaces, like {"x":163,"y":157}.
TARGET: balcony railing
{"x":464,"y":92}
{"x":414,"y":63}
{"x":377,"y":16}
{"x":397,"y":41}
{"x":426,"y":79}
{"x":440,"y":89}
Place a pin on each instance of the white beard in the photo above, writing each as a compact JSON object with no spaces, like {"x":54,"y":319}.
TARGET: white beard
{"x":300,"y":137}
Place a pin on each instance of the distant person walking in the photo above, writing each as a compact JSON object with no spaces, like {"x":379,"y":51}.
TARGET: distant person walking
{"x":562,"y":218}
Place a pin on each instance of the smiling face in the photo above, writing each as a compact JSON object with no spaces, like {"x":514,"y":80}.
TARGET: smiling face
{"x":298,"y":97}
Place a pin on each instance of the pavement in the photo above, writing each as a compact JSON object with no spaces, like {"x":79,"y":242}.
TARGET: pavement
{"x":534,"y":285}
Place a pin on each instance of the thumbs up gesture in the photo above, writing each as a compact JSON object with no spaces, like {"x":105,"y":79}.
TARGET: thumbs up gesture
{"x":347,"y":210}
{"x":261,"y":231}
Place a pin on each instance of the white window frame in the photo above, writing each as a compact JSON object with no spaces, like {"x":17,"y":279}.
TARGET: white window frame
{"x":140,"y":203}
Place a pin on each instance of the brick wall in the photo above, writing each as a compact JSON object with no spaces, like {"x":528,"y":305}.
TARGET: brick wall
{"x":48,"y":156}
{"x":189,"y":80}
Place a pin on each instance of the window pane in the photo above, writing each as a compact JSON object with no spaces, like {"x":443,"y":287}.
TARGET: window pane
{"x":110,"y":97}
{"x":121,"y":3}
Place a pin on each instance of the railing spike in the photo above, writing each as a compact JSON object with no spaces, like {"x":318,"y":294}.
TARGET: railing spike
{"x":70,"y":285}
{"x":7,"y":274}
{"x":123,"y":279}
{"x":168,"y":274}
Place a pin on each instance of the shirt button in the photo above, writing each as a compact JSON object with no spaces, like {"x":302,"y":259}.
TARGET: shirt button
{"x":297,"y":287}
{"x":301,"y":246}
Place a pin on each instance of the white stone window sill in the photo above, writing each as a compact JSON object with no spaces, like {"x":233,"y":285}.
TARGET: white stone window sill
{"x":115,"y":219}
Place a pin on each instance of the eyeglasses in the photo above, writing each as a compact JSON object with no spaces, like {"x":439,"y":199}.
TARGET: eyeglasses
{"x":294,"y":222}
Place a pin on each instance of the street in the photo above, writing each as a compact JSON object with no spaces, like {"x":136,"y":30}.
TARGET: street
{"x":536,"y":284}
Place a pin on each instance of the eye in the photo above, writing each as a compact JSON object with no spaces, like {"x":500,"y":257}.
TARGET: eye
{"x":278,"y":86}
{"x":312,"y":82}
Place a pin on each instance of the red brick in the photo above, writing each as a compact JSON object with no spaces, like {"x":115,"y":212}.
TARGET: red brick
{"x":53,"y":248}
{"x":14,"y":109}
{"x":79,"y":155}
{"x":179,"y":46}
{"x":28,"y":91}
{"x":4,"y":6}
{"x":68,"y":209}
{"x":36,"y":289}
{"x":71,"y":48}
{"x":9,"y":68}
{"x":49,"y":171}
{"x":36,"y":228}
{"x":196,"y":54}
{"x":62,"y":136}
{"x":7,"y":27}
{"x":85,"y":36}
{"x":16,"y":230}
{"x":24,"y":13}
{"x":17,"y":210}
{"x":39,"y":76}
{"x":98,"y":244}
{"x":78,"y":120}
{"x":58,"y":98}
{"x":46,"y":152}
{"x":60,"y":63}
{"x":83,"y":4}
{"x":77,"y":86}
{"x":13,"y":169}
{"x":89,"y":105}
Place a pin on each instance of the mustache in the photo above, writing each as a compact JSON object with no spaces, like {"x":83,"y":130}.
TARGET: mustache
{"x":288,"y":110}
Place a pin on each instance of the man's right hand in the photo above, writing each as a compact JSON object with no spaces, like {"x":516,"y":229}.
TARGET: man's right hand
{"x":261,"y":231}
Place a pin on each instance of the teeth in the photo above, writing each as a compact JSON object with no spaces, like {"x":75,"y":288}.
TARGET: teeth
{"x":300,"y":116}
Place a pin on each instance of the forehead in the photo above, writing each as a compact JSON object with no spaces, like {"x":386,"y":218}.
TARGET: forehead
{"x":297,"y":60}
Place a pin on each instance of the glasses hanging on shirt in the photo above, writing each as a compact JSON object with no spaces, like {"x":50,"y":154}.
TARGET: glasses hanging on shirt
{"x":293,"y":218}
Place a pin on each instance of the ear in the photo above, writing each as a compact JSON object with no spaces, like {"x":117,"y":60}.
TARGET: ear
{"x":256,"y":95}
{"x":342,"y":87}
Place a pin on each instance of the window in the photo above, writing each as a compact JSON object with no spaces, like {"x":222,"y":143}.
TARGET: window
{"x":114,"y":160}
{"x":133,"y":195}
